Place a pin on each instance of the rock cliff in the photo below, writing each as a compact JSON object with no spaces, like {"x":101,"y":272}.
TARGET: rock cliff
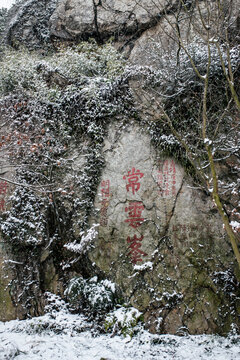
{"x":94,"y":183}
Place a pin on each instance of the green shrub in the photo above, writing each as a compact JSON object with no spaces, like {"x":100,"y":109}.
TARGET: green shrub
{"x":91,"y":294}
{"x":125,"y":321}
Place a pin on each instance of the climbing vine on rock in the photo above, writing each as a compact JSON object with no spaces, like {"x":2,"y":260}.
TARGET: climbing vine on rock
{"x":55,"y":112}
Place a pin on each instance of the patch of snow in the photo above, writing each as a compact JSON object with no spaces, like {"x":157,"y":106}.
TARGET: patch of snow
{"x":125,"y":315}
{"x":86,"y":241}
{"x":235,"y":225}
{"x":66,"y":336}
{"x":207,"y":141}
{"x":144,"y":266}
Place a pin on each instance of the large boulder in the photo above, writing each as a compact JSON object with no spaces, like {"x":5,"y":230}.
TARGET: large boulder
{"x":134,"y":26}
{"x":105,"y":18}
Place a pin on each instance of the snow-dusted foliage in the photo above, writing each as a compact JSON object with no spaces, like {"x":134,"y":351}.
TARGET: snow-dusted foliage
{"x":91,"y":294}
{"x":54,"y":103}
{"x":56,"y":110}
{"x":86,"y":241}
{"x":85,"y":67}
{"x":173,"y":87}
{"x":124,"y":320}
{"x":3,"y":16}
{"x":27,"y":11}
{"x":25,"y":222}
{"x":175,"y":79}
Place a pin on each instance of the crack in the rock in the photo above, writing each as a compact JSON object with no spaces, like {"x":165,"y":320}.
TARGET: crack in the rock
{"x":170,"y":216}
{"x":139,"y":29}
{"x":154,"y":20}
{"x":95,"y":10}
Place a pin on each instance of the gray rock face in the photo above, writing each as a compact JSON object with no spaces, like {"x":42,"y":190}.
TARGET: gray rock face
{"x":105,"y":18}
{"x":7,"y":309}
{"x":137,"y":196}
{"x":159,"y":238}
{"x":133,"y":24}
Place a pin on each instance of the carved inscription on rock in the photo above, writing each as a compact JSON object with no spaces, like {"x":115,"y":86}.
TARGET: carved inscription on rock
{"x":134,"y":215}
{"x":167,"y":179}
{"x":105,"y":194}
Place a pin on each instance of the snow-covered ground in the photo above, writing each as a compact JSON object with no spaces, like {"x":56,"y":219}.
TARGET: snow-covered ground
{"x":66,"y":336}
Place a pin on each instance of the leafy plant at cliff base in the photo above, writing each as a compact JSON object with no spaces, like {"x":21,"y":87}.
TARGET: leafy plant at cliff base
{"x":193,"y":98}
{"x":124,"y":320}
{"x":54,"y":110}
{"x":91,"y":294}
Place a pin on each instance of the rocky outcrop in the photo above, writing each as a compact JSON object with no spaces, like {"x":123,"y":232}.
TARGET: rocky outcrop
{"x":7,"y":309}
{"x":105,"y":18}
{"x":159,"y":237}
{"x":130,"y":24}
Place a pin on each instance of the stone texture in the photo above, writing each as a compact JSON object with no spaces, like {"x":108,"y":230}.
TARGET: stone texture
{"x":72,"y":18}
{"x":134,"y":25}
{"x":159,"y":238}
{"x":105,"y":18}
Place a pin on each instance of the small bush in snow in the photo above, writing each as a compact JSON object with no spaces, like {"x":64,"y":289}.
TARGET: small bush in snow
{"x":123,"y":321}
{"x":91,"y":294}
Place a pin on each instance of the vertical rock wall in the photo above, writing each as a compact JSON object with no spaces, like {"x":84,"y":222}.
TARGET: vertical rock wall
{"x":160,"y":239}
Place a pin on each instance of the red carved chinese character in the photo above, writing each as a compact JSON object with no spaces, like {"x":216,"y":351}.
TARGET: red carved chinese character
{"x":2,"y":205}
{"x":133,"y":178}
{"x":135,"y":252}
{"x":172,"y":167}
{"x":105,"y":187}
{"x":165,"y":167}
{"x":134,"y":213}
{"x":160,"y":177}
{"x":184,"y":228}
{"x":104,"y":207}
{"x":103,"y":221}
{"x":3,"y":187}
